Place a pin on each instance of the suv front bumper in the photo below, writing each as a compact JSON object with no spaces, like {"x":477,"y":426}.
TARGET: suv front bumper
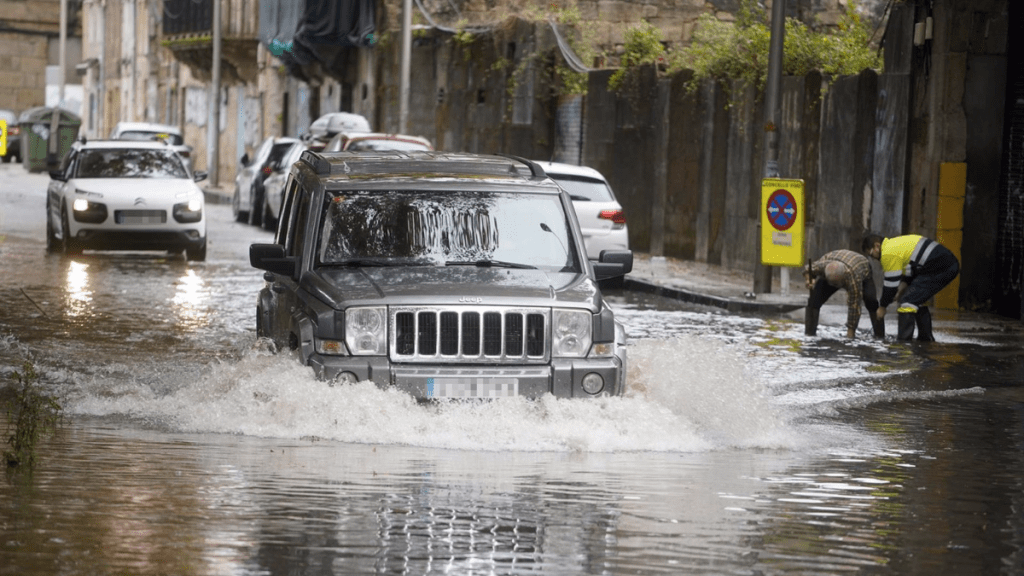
{"x":562,"y":378}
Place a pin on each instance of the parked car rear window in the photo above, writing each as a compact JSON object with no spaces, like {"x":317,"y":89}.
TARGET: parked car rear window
{"x":374,"y":145}
{"x":130,"y":163}
{"x":172,"y":139}
{"x":447,"y":227}
{"x":583,"y":188}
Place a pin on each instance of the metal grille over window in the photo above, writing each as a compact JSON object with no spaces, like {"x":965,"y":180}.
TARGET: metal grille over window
{"x":458,"y":334}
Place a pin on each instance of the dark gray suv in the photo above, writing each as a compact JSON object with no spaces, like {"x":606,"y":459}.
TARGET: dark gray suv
{"x":443,"y":275}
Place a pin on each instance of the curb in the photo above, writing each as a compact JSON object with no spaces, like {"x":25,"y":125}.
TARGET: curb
{"x":729,"y":304}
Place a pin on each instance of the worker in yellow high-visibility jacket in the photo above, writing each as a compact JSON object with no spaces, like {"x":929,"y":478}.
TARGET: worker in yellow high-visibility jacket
{"x":915,"y":268}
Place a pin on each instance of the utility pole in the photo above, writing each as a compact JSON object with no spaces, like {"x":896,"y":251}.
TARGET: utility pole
{"x":62,"y":59}
{"x":403,"y":81}
{"x":762,"y":273}
{"x":213,"y":131}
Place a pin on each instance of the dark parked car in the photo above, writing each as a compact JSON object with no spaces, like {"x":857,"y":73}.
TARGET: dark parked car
{"x":442,"y":275}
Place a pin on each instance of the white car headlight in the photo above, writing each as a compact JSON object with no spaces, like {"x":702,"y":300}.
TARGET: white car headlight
{"x":366,"y":331}
{"x":571,"y":332}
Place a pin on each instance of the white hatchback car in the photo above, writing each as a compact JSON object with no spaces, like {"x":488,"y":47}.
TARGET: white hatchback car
{"x":600,"y":215}
{"x":125,"y":195}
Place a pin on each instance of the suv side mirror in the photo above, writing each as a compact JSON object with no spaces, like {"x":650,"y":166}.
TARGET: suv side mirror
{"x":272,"y":258}
{"x":245,"y":159}
{"x":613,"y":263}
{"x":57,"y":175}
{"x":199,"y":175}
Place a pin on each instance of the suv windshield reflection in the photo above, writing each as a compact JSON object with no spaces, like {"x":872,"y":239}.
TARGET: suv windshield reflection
{"x":130,"y":163}
{"x":500,"y":229}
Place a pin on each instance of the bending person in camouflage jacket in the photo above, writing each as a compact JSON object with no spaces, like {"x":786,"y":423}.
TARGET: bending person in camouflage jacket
{"x":850,"y":271}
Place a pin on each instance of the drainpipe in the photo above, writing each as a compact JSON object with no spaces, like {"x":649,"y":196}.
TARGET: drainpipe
{"x":213,"y":131}
{"x":101,"y":128}
{"x":403,"y":82}
{"x":62,"y":59}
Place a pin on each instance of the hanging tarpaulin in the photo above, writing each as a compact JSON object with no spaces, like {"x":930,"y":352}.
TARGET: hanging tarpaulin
{"x":328,"y":27}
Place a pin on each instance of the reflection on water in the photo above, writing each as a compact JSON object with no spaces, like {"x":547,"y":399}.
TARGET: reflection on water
{"x":191,"y":301}
{"x":78,"y":296}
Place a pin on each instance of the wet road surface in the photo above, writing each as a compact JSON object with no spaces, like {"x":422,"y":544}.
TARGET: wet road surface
{"x":741,"y":447}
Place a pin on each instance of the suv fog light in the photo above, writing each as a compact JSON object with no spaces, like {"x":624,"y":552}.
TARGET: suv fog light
{"x":593,"y":383}
{"x":346,"y":378}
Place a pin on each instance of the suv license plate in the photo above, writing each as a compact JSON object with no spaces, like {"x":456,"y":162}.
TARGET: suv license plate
{"x":472,"y":387}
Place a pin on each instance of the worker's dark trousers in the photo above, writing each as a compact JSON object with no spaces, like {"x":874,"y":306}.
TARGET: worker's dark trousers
{"x":938,"y":271}
{"x":820,"y":294}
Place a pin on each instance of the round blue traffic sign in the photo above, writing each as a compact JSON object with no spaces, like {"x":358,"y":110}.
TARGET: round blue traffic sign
{"x":781,"y":209}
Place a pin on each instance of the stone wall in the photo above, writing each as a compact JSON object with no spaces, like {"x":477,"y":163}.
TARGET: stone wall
{"x":26,"y":29}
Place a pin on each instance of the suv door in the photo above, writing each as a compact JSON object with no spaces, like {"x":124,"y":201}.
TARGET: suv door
{"x":282,"y":298}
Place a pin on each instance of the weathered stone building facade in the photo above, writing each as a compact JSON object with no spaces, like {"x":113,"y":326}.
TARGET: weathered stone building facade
{"x":29,"y":42}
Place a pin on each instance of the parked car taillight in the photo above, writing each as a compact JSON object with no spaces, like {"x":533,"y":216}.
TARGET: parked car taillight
{"x":616,"y":216}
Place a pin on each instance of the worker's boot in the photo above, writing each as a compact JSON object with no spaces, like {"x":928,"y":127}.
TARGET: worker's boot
{"x":811,"y":321}
{"x":905,"y":329}
{"x":924,"y":324}
{"x":878,"y":325}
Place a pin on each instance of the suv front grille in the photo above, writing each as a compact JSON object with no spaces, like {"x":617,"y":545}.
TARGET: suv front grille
{"x":458,"y":334}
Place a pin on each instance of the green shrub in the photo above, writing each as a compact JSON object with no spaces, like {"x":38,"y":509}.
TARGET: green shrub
{"x":739,"y":51}
{"x":30,"y":414}
{"x":642,"y":46}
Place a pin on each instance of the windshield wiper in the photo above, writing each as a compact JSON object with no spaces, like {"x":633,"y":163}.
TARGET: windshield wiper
{"x":489,"y":264}
{"x":367,"y":262}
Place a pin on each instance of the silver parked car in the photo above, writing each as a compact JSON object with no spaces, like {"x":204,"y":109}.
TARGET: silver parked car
{"x":441,"y":275}
{"x":273,"y":186}
{"x":247,"y":201}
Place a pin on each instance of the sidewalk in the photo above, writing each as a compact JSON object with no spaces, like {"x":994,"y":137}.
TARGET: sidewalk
{"x":711,"y":285}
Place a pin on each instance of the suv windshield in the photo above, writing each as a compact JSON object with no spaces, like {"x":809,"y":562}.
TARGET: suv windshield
{"x":504,"y":229}
{"x":130,"y":163}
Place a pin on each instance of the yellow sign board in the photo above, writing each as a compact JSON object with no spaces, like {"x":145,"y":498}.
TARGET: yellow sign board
{"x":3,"y":137}
{"x":782,"y":222}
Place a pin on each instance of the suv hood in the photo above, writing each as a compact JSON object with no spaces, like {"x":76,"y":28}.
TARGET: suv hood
{"x":451,"y":285}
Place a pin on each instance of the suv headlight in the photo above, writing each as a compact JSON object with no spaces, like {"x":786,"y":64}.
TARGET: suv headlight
{"x":571,"y":332}
{"x":366,"y":331}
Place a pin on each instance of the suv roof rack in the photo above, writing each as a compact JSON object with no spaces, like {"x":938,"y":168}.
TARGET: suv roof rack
{"x":393,"y":163}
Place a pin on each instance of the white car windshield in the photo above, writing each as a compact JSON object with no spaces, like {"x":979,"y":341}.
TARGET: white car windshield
{"x":447,"y":228}
{"x":130,"y":163}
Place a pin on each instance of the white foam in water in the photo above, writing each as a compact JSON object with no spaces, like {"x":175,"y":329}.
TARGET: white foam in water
{"x":685,"y":395}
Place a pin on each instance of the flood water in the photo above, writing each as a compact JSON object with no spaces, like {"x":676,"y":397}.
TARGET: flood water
{"x":741,"y":446}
